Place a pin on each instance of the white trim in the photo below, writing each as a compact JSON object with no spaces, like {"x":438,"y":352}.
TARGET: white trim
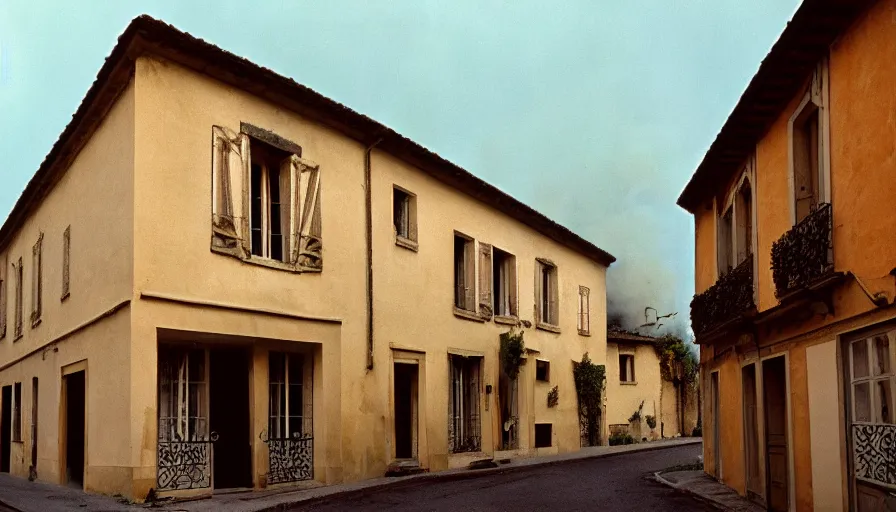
{"x":820,"y":74}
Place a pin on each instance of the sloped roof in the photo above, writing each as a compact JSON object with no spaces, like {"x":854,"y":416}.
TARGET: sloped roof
{"x":807,"y":38}
{"x":147,"y":35}
{"x":619,"y":335}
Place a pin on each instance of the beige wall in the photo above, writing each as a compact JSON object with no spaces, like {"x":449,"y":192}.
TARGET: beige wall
{"x":623,"y":399}
{"x":95,"y":197}
{"x":825,"y":432}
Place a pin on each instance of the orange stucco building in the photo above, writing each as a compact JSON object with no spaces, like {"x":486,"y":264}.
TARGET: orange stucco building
{"x":795,"y":287}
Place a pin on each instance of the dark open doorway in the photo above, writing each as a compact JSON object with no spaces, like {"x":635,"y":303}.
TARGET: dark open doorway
{"x":5,"y":428}
{"x":229,"y":418}
{"x":774,"y":384}
{"x":405,"y":411}
{"x":74,"y":428}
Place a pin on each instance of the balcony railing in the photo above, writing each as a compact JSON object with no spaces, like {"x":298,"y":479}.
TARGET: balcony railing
{"x":804,"y":254}
{"x":730,"y":297}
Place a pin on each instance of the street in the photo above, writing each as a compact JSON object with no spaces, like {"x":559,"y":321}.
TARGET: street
{"x":611,"y":483}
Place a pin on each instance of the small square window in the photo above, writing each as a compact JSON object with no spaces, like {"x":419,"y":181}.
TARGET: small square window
{"x":542,"y":370}
{"x":543,"y":435}
{"x":626,"y":368}
{"x":404,"y":217}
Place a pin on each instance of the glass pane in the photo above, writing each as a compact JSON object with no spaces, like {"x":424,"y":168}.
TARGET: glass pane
{"x":255,"y":214}
{"x":860,"y":359}
{"x":881,"y":355}
{"x":862,"y":401}
{"x":885,"y":400}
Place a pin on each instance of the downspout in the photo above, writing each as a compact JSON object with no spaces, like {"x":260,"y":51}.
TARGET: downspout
{"x":368,"y":205}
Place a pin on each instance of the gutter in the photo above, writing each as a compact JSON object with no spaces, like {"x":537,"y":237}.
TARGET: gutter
{"x":368,"y":238}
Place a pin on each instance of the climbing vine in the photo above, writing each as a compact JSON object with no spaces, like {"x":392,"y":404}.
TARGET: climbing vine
{"x":589,"y":379}
{"x":554,"y":397}
{"x":678,"y":365}
{"x":511,"y":353}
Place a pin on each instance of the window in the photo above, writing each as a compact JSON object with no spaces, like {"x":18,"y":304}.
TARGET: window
{"x":808,"y":151}
{"x":3,"y":286}
{"x":543,"y":435}
{"x":17,"y":412}
{"x":290,"y":397}
{"x":37,"y":277}
{"x":873,"y":380}
{"x":464,"y":433}
{"x":282,"y":227}
{"x":726,"y":260}
{"x":743,"y":207}
{"x":404,"y":218}
{"x":66,"y":261}
{"x":183,"y":395}
{"x":627,"y":368}
{"x":464,"y":272}
{"x":19,"y":270}
{"x":504,"y":283}
{"x":546,"y":313}
{"x":584,"y":317}
{"x":542,"y":370}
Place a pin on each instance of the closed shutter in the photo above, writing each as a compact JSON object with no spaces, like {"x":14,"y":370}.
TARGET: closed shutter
{"x":4,"y":284}
{"x":230,"y":176}
{"x":553,"y":316}
{"x":37,"y":279}
{"x":66,"y":262}
{"x":19,"y":268}
{"x":309,"y":255}
{"x":485,"y":280}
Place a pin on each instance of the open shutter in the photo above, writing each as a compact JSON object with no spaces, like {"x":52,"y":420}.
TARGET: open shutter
{"x":553,"y":310}
{"x":485,"y":280}
{"x":308,"y":255}
{"x":230,"y":175}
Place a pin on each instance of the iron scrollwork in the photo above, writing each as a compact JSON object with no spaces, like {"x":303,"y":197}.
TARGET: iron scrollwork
{"x":184,"y":465}
{"x":291,"y":459}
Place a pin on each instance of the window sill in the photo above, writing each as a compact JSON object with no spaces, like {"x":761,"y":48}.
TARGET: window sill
{"x":35,"y":323}
{"x":17,"y":338}
{"x":268,"y":263}
{"x":467,"y":315}
{"x":547,"y":327}
{"x":65,"y":297}
{"x":407,"y":243}
{"x":507,"y":319}
{"x":17,"y":441}
{"x":629,"y":382}
{"x":584,"y":333}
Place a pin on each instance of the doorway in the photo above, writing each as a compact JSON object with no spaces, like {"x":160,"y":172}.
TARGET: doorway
{"x":229,"y":418}
{"x":751,"y":433}
{"x":405,"y":393}
{"x":716,"y":422}
{"x":75,"y":413}
{"x":5,"y":428}
{"x":774,"y":386}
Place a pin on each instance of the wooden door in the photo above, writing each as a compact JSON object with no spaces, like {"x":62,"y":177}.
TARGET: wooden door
{"x":716,"y":424}
{"x":751,"y":433}
{"x":774,"y":383}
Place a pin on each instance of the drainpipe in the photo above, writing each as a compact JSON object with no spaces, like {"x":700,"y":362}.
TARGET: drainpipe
{"x":368,"y":204}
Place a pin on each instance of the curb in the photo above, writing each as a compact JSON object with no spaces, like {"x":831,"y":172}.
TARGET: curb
{"x":427,"y":478}
{"x":699,"y":497}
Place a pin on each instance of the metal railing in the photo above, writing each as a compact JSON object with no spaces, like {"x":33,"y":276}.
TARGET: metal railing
{"x":732,"y":295}
{"x":805,"y":253}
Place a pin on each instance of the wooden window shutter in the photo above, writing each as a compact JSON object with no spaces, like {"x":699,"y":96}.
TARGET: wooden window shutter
{"x":538,"y":291}
{"x":553,"y":316}
{"x":288,"y":199}
{"x":230,"y":188}
{"x":37,"y":279}
{"x":485,"y":280}
{"x":512,"y":286}
{"x":309,"y":254}
{"x":66,"y":262}
{"x":19,"y":268}
{"x":4,"y":284}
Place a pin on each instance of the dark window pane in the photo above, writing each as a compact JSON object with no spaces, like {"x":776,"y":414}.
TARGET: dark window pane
{"x":459,"y":285}
{"x":256,"y":211}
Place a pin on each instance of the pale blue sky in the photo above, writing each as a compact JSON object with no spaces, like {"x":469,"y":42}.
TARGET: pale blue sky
{"x":594,"y":112}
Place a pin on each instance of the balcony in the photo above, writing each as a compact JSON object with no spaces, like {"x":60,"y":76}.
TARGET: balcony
{"x":730,"y":299}
{"x":803,"y":256}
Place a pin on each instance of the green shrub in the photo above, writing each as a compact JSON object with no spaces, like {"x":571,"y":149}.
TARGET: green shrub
{"x":651,"y":421}
{"x":619,"y":439}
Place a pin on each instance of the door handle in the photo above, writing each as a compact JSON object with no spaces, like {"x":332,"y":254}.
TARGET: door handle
{"x":213,"y":436}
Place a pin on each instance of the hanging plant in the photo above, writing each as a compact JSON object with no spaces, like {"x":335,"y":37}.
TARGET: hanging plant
{"x":511,"y":354}
{"x":554,"y":397}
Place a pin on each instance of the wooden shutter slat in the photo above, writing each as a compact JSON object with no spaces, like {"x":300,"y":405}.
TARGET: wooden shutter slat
{"x":485,"y":280}
{"x":310,"y":249}
{"x":230,"y":201}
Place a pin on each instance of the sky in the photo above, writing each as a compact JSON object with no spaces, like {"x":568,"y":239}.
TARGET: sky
{"x":596,"y":113}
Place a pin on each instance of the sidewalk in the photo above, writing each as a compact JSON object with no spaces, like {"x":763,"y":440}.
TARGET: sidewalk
{"x":24,"y":496}
{"x":704,"y":486}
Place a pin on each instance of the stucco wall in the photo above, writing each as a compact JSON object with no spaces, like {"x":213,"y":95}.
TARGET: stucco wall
{"x":95,"y":198}
{"x":623,"y":399}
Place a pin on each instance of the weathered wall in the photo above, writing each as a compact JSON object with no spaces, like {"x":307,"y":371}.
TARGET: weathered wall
{"x":94,"y":197}
{"x":623,"y":399}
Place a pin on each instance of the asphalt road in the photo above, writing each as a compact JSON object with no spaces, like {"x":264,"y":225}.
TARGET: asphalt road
{"x":612,"y":483}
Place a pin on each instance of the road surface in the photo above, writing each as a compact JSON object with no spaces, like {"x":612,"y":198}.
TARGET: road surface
{"x":611,"y":483}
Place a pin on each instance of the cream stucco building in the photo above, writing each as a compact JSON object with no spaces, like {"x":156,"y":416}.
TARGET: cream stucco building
{"x":216,"y":259}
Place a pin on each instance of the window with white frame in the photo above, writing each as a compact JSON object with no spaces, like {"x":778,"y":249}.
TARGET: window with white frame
{"x":504,"y":283}
{"x":546,"y":294}
{"x":404,"y":217}
{"x":584,"y":316}
{"x":627,"y":368}
{"x":265,"y":200}
{"x":290,"y":406}
{"x":808,"y":148}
